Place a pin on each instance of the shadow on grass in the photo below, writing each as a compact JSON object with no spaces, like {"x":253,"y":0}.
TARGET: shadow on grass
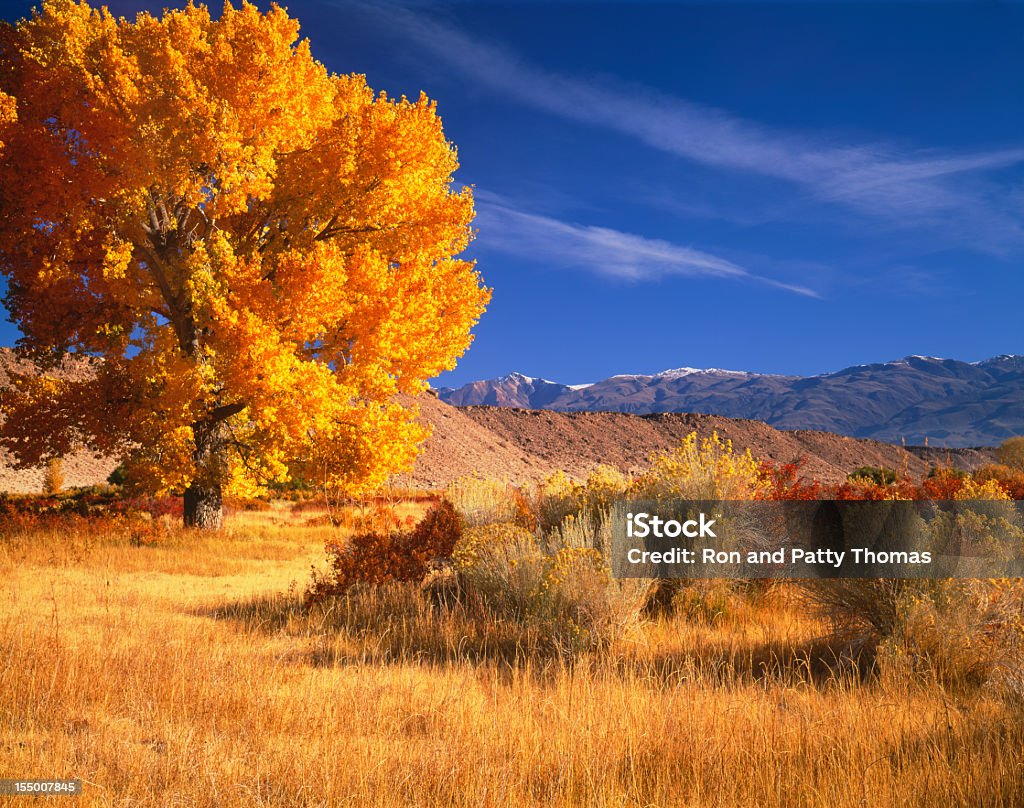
{"x":267,"y":614}
{"x":400,"y":624}
{"x":820,"y":662}
{"x":390,"y":625}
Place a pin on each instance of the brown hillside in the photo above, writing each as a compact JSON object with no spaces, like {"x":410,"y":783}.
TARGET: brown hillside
{"x":459,"y":446}
{"x":525,"y":444}
{"x":522,"y":445}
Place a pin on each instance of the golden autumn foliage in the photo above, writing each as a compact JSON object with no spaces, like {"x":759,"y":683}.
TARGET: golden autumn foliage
{"x":263,"y":253}
{"x":8,"y":116}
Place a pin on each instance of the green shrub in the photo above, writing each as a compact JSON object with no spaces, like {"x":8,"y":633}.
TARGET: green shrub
{"x":501,"y":565}
{"x":946,"y":473}
{"x":119,"y":476}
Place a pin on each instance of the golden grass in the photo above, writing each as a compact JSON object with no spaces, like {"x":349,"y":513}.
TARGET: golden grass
{"x":189,"y":674}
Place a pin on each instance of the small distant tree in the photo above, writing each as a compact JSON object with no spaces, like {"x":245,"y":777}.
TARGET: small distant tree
{"x":263,"y":254}
{"x":119,"y":476}
{"x":874,"y":474}
{"x":946,"y":473}
{"x":1011,"y":453}
{"x":53,"y":476}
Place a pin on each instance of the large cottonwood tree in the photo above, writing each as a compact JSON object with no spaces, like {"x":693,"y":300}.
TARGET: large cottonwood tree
{"x":261,"y":254}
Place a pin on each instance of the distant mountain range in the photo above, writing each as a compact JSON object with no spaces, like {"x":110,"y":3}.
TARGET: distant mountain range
{"x":948,"y":402}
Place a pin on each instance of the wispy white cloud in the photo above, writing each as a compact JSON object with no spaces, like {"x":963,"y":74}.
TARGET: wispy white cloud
{"x":603,"y":250}
{"x":904,"y":187}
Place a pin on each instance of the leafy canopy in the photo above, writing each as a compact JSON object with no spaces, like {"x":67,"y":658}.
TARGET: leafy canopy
{"x":254,"y":247}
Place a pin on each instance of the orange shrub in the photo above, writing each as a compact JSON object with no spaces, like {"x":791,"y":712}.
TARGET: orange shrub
{"x":381,"y":557}
{"x":524,"y":515}
{"x":784,"y":481}
{"x":238,"y":504}
{"x":1009,"y":479}
{"x":943,"y":482}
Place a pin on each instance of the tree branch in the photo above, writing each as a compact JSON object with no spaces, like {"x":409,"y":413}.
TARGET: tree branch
{"x":225,"y":411}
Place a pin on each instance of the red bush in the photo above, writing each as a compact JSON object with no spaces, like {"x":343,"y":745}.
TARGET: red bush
{"x":377,"y":558}
{"x":785,"y":482}
{"x":89,"y":504}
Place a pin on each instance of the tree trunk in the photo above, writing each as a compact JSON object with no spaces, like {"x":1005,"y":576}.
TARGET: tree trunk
{"x":204,"y":505}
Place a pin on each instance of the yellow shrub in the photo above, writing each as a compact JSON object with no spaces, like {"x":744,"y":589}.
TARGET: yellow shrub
{"x":481,"y":544}
{"x":557,"y":498}
{"x":702,"y":469}
{"x":565,"y":595}
{"x":482,"y":500}
{"x":604,"y":485}
{"x":975,"y":490}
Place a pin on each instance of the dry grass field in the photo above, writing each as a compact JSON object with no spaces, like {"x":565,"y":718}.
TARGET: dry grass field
{"x":188,"y":673}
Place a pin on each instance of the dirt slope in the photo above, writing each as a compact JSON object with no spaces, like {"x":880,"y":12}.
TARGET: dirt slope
{"x":524,"y":444}
{"x":459,"y":446}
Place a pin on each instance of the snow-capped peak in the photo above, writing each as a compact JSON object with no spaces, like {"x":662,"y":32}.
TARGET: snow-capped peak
{"x":521,"y":378}
{"x":903,"y":361}
{"x":515,"y":376}
{"x":675,"y":373}
{"x":1001,"y":358}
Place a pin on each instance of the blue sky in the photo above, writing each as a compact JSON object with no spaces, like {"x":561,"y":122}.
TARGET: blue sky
{"x":778,"y":188}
